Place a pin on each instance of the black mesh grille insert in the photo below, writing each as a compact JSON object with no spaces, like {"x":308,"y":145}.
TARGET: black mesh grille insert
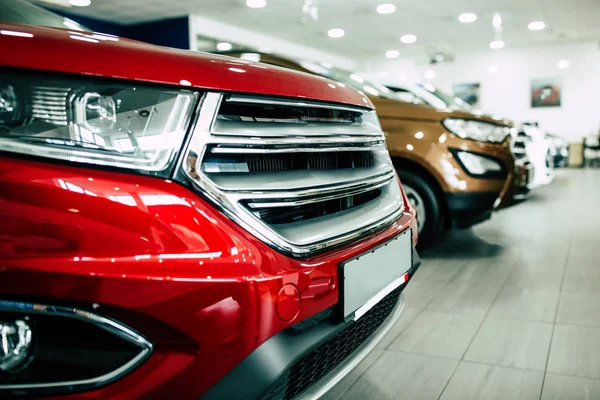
{"x":289,"y":161}
{"x":325,"y":358}
{"x":243,"y":112}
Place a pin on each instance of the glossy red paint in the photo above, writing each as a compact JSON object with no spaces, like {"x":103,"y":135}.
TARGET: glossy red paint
{"x":59,"y":50}
{"x":160,"y":259}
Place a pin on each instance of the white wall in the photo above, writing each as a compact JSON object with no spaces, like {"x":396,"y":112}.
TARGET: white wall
{"x":219,"y":30}
{"x":507,"y":92}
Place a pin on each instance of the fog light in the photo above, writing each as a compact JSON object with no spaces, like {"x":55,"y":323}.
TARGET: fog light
{"x":478,"y":165}
{"x":15,"y":345}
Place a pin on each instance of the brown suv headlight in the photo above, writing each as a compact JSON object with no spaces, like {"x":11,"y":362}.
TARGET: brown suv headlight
{"x":103,"y":122}
{"x":477,"y":130}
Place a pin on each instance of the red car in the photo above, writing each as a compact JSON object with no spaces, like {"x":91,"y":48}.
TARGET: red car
{"x":177,"y":225}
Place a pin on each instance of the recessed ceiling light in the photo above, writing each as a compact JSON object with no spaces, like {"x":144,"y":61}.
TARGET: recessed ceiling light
{"x":466,"y":18}
{"x":256,"y":3}
{"x":357,"y":78}
{"x":254,"y":57}
{"x":497,"y":44}
{"x":371,"y":90}
{"x":84,"y":39}
{"x":80,"y":3}
{"x":392,"y":54}
{"x":497,"y":22}
{"x":563,"y":64}
{"x":335,"y":33}
{"x":408,"y":39}
{"x":386,"y":8}
{"x":224,"y":46}
{"x":430,"y":74}
{"x":492,"y":69}
{"x":536,"y":26}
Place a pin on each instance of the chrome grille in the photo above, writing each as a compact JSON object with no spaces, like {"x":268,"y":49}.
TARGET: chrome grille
{"x":302,"y":176}
{"x":50,"y":104}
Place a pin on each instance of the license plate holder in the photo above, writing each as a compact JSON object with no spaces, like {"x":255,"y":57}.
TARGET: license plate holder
{"x":371,"y":276}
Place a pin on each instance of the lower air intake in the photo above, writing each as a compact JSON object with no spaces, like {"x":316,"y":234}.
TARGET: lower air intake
{"x":325,"y":358}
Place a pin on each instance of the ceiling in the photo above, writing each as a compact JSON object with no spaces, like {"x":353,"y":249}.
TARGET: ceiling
{"x":369,"y":34}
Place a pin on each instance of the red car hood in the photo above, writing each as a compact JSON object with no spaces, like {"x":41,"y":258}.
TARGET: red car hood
{"x":52,"y":49}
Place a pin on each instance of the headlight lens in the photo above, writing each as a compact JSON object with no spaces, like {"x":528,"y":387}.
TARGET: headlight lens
{"x":113,"y":124}
{"x":477,"y":130}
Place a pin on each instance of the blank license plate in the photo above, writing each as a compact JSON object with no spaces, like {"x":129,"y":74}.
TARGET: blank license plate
{"x":370,"y":277}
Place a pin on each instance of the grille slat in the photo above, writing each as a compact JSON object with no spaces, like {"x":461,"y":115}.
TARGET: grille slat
{"x":326,"y":357}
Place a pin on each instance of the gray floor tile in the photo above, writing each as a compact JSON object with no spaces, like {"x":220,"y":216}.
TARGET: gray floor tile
{"x":403,"y":375}
{"x":575,"y":351}
{"x":407,"y":317}
{"x":582,"y":280}
{"x":438,"y":334}
{"x":511,"y":343}
{"x":441,"y":271}
{"x":491,"y":271}
{"x":538,"y":276}
{"x":419,"y":295}
{"x":342,"y":387}
{"x":526,"y":303}
{"x":465,"y":298}
{"x":486,"y":382}
{"x":582,"y":259}
{"x":579,"y":308}
{"x":561,"y":387}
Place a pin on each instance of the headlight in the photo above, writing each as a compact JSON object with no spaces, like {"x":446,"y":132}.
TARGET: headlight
{"x":479,"y":166}
{"x":98,"y":122}
{"x":476,"y":130}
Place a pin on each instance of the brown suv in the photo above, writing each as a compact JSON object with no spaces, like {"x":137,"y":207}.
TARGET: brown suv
{"x":456,"y":167}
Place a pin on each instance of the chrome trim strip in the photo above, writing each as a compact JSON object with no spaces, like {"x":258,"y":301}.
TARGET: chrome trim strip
{"x":294,"y":140}
{"x":286,"y":130}
{"x":365,"y":146}
{"x":337,"y":195}
{"x":292,"y":103}
{"x":107,"y":324}
{"x":326,"y":383}
{"x":362,"y":310}
{"x":387,"y":176}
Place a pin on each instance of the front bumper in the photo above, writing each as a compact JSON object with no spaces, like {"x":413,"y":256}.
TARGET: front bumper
{"x":468,"y":209}
{"x":276,"y":369}
{"x":198,"y":287}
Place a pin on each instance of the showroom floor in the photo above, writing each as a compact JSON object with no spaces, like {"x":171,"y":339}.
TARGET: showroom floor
{"x":508,"y":310}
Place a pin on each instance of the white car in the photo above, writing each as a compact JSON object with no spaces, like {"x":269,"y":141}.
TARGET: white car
{"x":531,"y":141}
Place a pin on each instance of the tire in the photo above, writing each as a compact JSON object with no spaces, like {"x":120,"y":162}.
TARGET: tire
{"x":419,"y":189}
